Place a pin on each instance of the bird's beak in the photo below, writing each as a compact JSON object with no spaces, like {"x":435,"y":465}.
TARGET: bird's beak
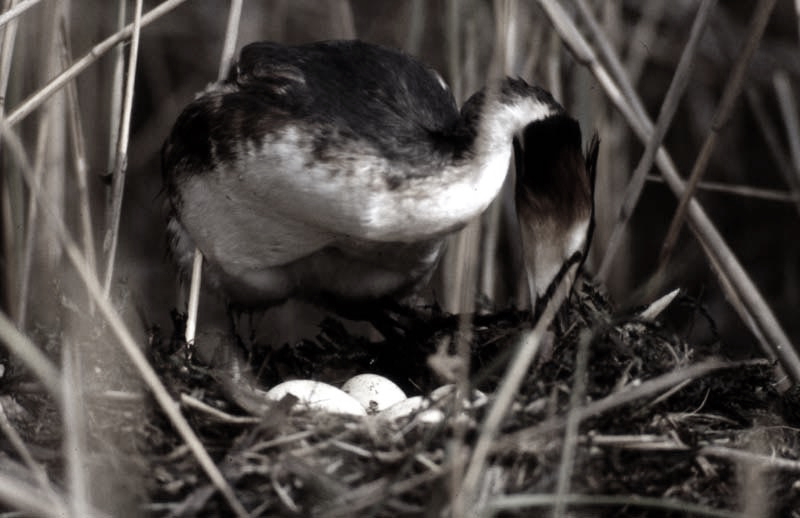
{"x":554,"y":198}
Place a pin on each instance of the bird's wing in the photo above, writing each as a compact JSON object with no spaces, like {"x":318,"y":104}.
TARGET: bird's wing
{"x":343,"y":137}
{"x":393,"y":102}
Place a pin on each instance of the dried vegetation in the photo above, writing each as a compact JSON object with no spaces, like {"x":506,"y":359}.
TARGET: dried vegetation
{"x":695,"y":412}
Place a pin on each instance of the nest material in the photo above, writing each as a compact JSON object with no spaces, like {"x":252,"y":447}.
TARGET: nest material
{"x":713,"y":443}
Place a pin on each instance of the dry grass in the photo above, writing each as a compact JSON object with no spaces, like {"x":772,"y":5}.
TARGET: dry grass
{"x":617,"y":415}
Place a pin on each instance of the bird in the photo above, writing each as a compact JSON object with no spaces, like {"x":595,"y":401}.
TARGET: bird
{"x":333,"y":172}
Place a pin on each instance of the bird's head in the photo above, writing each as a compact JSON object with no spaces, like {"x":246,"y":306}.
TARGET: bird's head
{"x":554,"y":198}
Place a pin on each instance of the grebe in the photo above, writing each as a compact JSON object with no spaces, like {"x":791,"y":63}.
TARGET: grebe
{"x":334,"y":171}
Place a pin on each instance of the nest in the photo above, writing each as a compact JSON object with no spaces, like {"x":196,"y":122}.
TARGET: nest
{"x":655,"y":426}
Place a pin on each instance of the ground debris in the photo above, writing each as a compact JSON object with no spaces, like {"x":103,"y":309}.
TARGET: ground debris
{"x":715,"y":442}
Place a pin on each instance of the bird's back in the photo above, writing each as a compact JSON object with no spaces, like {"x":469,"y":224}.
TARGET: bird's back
{"x":280,"y":174}
{"x":364,"y":91}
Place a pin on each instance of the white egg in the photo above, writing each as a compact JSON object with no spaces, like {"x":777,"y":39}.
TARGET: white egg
{"x":416,"y":406}
{"x":374,"y":392}
{"x":443,"y":393}
{"x":316,"y":395}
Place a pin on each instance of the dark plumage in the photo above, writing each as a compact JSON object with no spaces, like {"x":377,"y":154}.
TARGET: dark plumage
{"x":333,"y":172}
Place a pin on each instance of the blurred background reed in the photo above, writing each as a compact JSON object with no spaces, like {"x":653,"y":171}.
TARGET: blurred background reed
{"x":76,"y":141}
{"x":750,"y":187}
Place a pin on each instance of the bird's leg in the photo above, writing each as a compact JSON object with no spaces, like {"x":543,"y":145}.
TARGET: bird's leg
{"x":407,"y":319}
{"x":234,"y":320}
{"x":372,"y":313}
{"x":254,"y":320}
{"x":389,"y":327}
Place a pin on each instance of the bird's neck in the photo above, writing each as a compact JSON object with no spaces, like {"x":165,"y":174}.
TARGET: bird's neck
{"x":475,"y":168}
{"x":501,"y":118}
{"x":491,"y":123}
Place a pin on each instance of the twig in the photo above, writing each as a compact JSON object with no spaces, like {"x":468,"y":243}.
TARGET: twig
{"x":280,"y":441}
{"x":121,"y":165}
{"x":506,"y":14}
{"x":127,"y":342}
{"x":644,"y":35}
{"x":463,"y":264}
{"x":193,"y":303}
{"x":115,"y":104}
{"x":733,"y":87}
{"x":742,"y":293}
{"x":477,"y":244}
{"x":614,"y":63}
{"x":231,"y":35}
{"x":40,"y":96}
{"x":770,"y":134}
{"x":745,"y":191}
{"x":648,"y":388}
{"x":570,"y":442}
{"x":11,"y":238}
{"x":458,"y":256}
{"x":23,"y":496}
{"x":749,"y":457}
{"x":453,"y":43}
{"x":228,"y":51}
{"x":19,"y":344}
{"x":465,"y":282}
{"x":512,"y":379}
{"x":772,"y":337}
{"x":732,"y":295}
{"x":74,"y":448}
{"x":670,"y":105}
{"x":31,"y":356}
{"x":216,"y":413}
{"x":786,"y":100}
{"x":49,"y":144}
{"x":15,"y":10}
{"x":533,"y":44}
{"x":553,"y":67}
{"x":30,"y":220}
{"x":351,"y":503}
{"x":36,"y":469}
{"x":416,"y":26}
{"x":585,"y":55}
{"x":343,"y":19}
{"x":9,"y":39}
{"x":797,"y":11}
{"x":655,"y":308}
{"x":666,"y":443}
{"x":647,"y":442}
{"x":79,"y":156}
{"x":517,"y":502}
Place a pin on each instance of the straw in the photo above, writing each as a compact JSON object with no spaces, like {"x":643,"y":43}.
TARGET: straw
{"x":786,"y":101}
{"x":511,"y":381}
{"x":79,"y":155}
{"x":57,"y":83}
{"x":121,"y":164}
{"x":568,"y":452}
{"x":12,"y":240}
{"x":21,"y":346}
{"x":760,"y":317}
{"x":744,"y":191}
{"x":790,"y":174}
{"x":228,"y":51}
{"x":680,"y":81}
{"x":731,"y":93}
{"x":74,"y":443}
{"x":16,"y":10}
{"x":124,"y":336}
{"x":29,"y":239}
